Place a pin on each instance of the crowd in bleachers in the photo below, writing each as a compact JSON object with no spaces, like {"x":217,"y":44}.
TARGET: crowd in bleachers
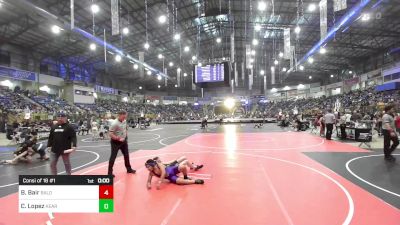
{"x":364,"y":101}
{"x":53,"y":104}
{"x":19,"y":101}
{"x":14,"y":102}
{"x":164,"y":112}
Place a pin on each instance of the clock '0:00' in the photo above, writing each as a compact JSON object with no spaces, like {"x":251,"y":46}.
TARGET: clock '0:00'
{"x":103,"y":180}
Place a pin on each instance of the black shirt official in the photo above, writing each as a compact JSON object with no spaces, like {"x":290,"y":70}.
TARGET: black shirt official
{"x":62,"y":141}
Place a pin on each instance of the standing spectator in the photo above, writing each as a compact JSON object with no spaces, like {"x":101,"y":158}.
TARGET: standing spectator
{"x":80,"y":123}
{"x":389,"y":133}
{"x":356,"y":116}
{"x":62,"y":141}
{"x":378,"y":117}
{"x":366,"y":117}
{"x":119,"y":141}
{"x":342,"y":123}
{"x":329,"y":119}
{"x":321,"y":122}
{"x":398,"y":123}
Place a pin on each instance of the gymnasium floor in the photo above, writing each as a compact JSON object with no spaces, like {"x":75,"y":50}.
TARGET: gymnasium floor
{"x":253,"y":176}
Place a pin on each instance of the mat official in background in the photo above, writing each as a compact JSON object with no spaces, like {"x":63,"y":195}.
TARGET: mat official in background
{"x":389,"y":133}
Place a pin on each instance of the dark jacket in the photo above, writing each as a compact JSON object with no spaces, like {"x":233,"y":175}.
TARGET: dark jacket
{"x":62,"y":137}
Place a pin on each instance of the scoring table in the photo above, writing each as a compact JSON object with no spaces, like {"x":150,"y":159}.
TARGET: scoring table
{"x":65,"y":194}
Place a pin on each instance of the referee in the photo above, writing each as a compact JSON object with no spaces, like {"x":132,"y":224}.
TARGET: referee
{"x":330,"y":120}
{"x":118,"y":135}
{"x":62,"y":141}
{"x":389,"y":133}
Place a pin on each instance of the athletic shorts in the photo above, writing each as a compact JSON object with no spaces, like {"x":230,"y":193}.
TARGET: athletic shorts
{"x":174,"y":163}
{"x":172,"y":172}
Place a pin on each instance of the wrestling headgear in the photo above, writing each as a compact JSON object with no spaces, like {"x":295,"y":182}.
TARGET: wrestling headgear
{"x":150,"y":162}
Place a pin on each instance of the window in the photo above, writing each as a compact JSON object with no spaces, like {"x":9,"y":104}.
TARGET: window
{"x":387,"y":78}
{"x":396,"y":76}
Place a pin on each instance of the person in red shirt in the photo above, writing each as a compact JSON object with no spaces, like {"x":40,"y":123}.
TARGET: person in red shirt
{"x":397,"y":123}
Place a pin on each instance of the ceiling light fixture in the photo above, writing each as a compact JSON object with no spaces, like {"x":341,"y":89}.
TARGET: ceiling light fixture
{"x":125,"y":30}
{"x":312,"y":7}
{"x":177,"y":37}
{"x":95,"y":8}
{"x":297,"y":29}
{"x":118,"y":58}
{"x":162,"y":19}
{"x":55,"y":29}
{"x":365,"y":17}
{"x":92,"y":46}
{"x":262,"y":6}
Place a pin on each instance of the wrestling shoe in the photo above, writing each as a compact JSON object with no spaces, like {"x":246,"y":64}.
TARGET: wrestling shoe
{"x":199,"y":181}
{"x":131,"y":171}
{"x":198,"y":167}
{"x":43,"y":159}
{"x":390,"y":159}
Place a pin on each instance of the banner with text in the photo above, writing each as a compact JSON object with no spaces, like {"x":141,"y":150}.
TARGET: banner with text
{"x":17,"y":74}
{"x":106,"y":90}
{"x":286,"y":40}
{"x":323,"y":9}
{"x":339,"y":5}
{"x":114,"y":17}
